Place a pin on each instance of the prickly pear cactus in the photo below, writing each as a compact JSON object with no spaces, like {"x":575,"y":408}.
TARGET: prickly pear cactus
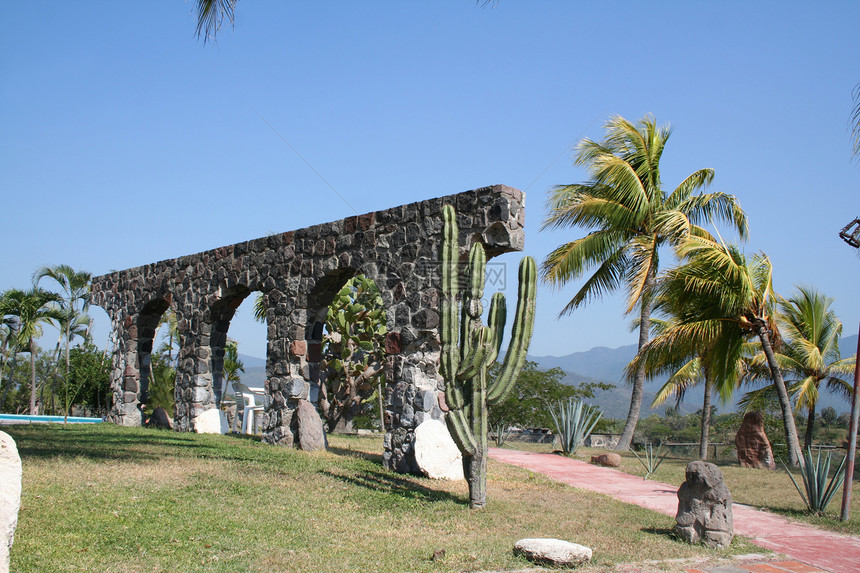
{"x":469,"y":349}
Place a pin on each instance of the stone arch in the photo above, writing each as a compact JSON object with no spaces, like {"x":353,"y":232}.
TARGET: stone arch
{"x":398,"y":248}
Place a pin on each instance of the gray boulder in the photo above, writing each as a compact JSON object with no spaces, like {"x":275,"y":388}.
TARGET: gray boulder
{"x":554,"y":552}
{"x":10,"y":496}
{"x":310,"y":435}
{"x":160,"y":419}
{"x":705,"y":507}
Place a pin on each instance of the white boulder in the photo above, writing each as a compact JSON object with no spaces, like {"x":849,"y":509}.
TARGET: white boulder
{"x":436,"y":453}
{"x":212,"y":421}
{"x":10,"y":496}
{"x":556,"y":552}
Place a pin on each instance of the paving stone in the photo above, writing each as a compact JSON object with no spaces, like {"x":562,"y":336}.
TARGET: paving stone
{"x":795,"y":567}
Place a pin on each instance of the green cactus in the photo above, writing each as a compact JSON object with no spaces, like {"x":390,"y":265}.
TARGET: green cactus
{"x":469,"y":349}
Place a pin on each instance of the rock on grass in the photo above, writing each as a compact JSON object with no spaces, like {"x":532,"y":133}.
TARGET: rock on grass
{"x":556,"y":552}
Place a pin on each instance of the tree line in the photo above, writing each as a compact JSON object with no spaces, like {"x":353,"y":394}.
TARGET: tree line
{"x":51,"y":382}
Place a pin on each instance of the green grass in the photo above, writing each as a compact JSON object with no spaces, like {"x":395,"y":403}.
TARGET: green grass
{"x":113,"y":499}
{"x":764,"y":489}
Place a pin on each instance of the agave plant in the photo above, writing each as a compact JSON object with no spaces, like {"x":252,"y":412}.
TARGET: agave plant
{"x":574,"y":421}
{"x":502,"y":432}
{"x":819,"y":491}
{"x":652,"y":459}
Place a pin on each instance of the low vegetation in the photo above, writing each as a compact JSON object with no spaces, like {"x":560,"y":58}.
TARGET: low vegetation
{"x":114,"y":499}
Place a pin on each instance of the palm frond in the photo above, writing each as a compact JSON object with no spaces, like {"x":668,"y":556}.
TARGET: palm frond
{"x":569,"y":261}
{"x":855,"y":122}
{"x":210,"y":15}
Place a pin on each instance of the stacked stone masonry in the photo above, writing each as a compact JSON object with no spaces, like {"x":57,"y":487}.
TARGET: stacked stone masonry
{"x":299,"y":272}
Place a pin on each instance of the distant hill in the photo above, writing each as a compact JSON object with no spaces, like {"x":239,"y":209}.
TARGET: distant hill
{"x":608,"y":364}
{"x":255,"y":371}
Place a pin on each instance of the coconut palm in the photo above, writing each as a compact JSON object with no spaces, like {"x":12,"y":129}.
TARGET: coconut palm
{"x":232,"y":363}
{"x":739,"y":301}
{"x":708,"y":356}
{"x":809,"y":354}
{"x":630,"y":217}
{"x":30,"y":310}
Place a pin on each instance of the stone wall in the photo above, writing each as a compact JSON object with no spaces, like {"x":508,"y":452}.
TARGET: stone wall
{"x":299,"y":272}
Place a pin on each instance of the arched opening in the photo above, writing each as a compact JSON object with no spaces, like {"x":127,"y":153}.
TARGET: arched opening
{"x":95,"y":395}
{"x":238,"y":357}
{"x":157,"y":352}
{"x":350,"y":328}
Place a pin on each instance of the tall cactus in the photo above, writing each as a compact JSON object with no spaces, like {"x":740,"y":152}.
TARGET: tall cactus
{"x":469,"y":349}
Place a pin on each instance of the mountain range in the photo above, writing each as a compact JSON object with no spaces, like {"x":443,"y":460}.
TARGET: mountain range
{"x":602,"y":364}
{"x":608,"y":364}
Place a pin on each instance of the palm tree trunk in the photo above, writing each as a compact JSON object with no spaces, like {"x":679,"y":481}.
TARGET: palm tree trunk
{"x":639,"y":375}
{"x":706,"y":417}
{"x":68,"y":369}
{"x":791,"y":440}
{"x":33,"y":411}
{"x":810,"y":426}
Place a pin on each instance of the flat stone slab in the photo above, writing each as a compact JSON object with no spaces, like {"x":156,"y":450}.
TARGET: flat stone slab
{"x":556,"y":552}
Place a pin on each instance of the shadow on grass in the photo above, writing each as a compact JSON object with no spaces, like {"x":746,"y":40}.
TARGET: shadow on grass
{"x":104,"y":443}
{"x":665,"y":532}
{"x":371,"y":457}
{"x":390,"y":484}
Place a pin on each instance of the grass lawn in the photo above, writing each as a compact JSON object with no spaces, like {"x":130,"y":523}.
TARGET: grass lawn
{"x":113,"y":499}
{"x":768,"y":490}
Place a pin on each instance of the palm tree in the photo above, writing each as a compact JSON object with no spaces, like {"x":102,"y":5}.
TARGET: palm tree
{"x":810,"y":353}
{"x":740,"y":302}
{"x":710,"y":356}
{"x":75,"y":303}
{"x":232,"y":363}
{"x":30,"y":310}
{"x":631,"y":216}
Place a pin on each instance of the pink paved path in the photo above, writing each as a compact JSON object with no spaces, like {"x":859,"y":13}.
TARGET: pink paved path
{"x":823,"y":549}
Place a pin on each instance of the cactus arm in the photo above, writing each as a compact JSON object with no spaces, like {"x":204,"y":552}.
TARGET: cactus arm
{"x":453,"y":394}
{"x":449,"y":320}
{"x":472,"y":306}
{"x":477,"y":358}
{"x":521,"y":333}
{"x":496,"y":322}
{"x":477,"y":275}
{"x":458,"y":425}
{"x":479,"y":409}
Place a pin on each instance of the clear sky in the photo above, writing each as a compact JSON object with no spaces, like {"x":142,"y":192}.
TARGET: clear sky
{"x":124,"y":140}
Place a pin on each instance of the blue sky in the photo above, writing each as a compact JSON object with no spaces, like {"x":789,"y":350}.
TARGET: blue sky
{"x":124,"y":140}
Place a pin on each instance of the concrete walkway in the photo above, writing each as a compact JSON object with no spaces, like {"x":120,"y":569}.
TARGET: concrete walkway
{"x":817,"y":549}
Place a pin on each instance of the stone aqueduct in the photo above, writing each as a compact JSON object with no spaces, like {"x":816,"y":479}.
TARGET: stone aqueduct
{"x":298,"y":273}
